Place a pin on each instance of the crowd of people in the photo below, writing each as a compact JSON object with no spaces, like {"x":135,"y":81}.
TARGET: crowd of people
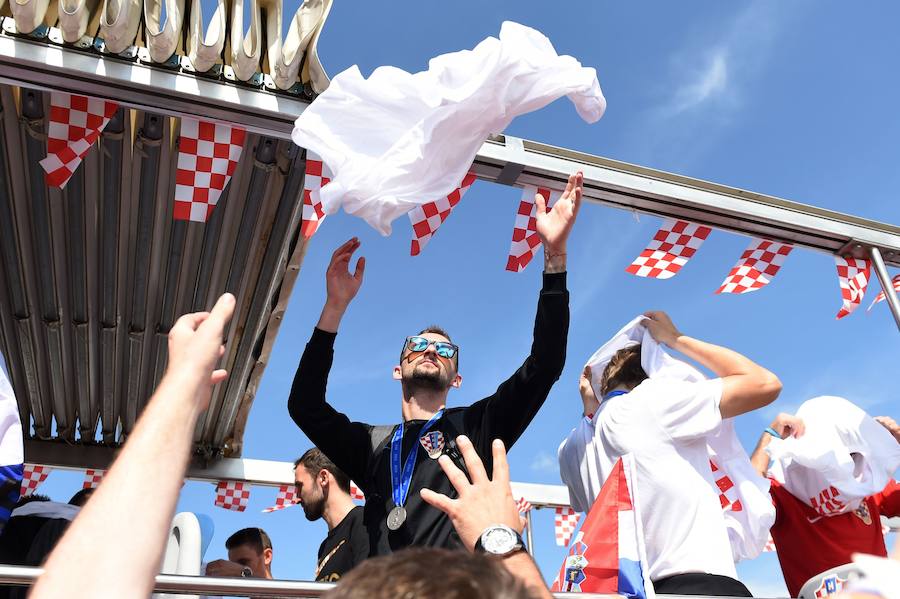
{"x":438,"y":497}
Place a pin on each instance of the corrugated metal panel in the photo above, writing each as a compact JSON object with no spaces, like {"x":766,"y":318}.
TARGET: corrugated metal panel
{"x":94,"y":275}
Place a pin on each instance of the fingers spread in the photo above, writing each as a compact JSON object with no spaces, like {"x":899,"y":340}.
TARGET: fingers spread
{"x":540,"y":203}
{"x":360,"y":268}
{"x":473,"y":463}
{"x":438,"y":500}
{"x":501,"y":466}
{"x":222,"y":311}
{"x":456,"y":476}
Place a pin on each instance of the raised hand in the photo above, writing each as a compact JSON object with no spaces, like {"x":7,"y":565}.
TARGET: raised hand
{"x":554,"y":225}
{"x":341,"y":286}
{"x":661,"y":327}
{"x":891,"y":425}
{"x":588,"y":397}
{"x":788,"y":426}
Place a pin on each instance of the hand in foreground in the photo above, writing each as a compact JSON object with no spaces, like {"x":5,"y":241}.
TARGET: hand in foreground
{"x":223,"y":567}
{"x":340,"y":284}
{"x":482,"y":502}
{"x":891,"y":425}
{"x":588,"y":397}
{"x":554,"y":225}
{"x":661,"y":327}
{"x":195,"y":345}
{"x":788,"y":426}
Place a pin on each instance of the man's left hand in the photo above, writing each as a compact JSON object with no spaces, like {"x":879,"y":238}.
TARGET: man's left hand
{"x":555,"y":224}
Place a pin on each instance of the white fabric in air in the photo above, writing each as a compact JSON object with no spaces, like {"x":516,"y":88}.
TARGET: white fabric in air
{"x":397,"y":140}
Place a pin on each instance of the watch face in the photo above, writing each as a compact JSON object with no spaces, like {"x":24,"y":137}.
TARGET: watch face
{"x":499,"y":540}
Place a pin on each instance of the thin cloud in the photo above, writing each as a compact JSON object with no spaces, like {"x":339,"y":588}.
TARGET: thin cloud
{"x":544,"y":462}
{"x":706,"y":84}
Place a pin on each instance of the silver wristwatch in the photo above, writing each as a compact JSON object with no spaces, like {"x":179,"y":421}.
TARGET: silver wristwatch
{"x":499,"y":539}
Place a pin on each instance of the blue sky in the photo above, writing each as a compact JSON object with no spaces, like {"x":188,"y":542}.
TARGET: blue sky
{"x":795,"y":99}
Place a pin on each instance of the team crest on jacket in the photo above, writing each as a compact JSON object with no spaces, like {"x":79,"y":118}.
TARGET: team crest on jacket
{"x":863,"y":513}
{"x":433,"y":442}
{"x":831,"y":584}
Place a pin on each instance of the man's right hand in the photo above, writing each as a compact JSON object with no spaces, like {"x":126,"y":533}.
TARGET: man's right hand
{"x":223,"y":567}
{"x":788,"y":426}
{"x":341,"y":286}
{"x":661,"y":328}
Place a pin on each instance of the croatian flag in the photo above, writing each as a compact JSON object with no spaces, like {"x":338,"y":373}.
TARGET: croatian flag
{"x":11,"y":447}
{"x":608,"y":554}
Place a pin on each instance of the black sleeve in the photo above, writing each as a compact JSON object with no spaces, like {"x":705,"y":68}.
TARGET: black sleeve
{"x":345,"y":443}
{"x":507,"y":413}
{"x":359,"y":542}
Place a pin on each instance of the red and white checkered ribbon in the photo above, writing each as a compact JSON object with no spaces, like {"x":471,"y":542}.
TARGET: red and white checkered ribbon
{"x":317,"y":177}
{"x":670,"y":249}
{"x":895,"y":283}
{"x":92,"y":479}
{"x":853,"y":277}
{"x":727,"y":492}
{"x":564,"y":524}
{"x":232,"y":495}
{"x":208,"y":153}
{"x":32,"y":476}
{"x":523,"y":505}
{"x":758,"y":264}
{"x":74,"y":125}
{"x":355,"y":493}
{"x":770,"y":544}
{"x":287,"y":497}
{"x":428,"y":217}
{"x":525,"y":238}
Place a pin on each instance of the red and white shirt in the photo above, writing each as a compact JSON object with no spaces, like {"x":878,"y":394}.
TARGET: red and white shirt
{"x":809,"y":543}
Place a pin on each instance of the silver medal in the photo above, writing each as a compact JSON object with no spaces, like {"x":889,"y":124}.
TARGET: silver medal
{"x":396,"y":517}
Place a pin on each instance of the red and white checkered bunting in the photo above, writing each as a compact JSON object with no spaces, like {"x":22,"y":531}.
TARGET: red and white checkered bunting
{"x":565,"y":522}
{"x":853,"y":277}
{"x":670,"y":249}
{"x":287,"y":497}
{"x":525,"y":239}
{"x":770,"y":544}
{"x":92,"y":479}
{"x":317,"y":177}
{"x":523,"y":505}
{"x":428,"y":217}
{"x":75,"y":123}
{"x":32,"y":476}
{"x":895,"y":283}
{"x":758,"y":264}
{"x":728,"y":497}
{"x":232,"y":495}
{"x":355,"y":493}
{"x":208,"y":153}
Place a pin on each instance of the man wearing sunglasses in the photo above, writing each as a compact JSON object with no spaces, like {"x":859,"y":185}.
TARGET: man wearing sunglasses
{"x":391,"y":464}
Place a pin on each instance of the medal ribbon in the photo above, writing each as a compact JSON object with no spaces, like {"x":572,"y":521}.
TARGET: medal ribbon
{"x":615,"y":393}
{"x":400,"y":481}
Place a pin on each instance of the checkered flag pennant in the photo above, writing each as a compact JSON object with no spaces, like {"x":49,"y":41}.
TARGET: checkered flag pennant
{"x":287,"y":497}
{"x":208,"y":153}
{"x":428,"y":217}
{"x":565,"y":522}
{"x":92,"y":479}
{"x":670,"y":249}
{"x":523,"y":505}
{"x":853,"y":277}
{"x":525,"y":239}
{"x":758,"y":264}
{"x":232,"y":495}
{"x":33,"y":475}
{"x":728,"y":497}
{"x":317,"y":177}
{"x":75,"y":123}
{"x":355,"y":493}
{"x":895,"y":283}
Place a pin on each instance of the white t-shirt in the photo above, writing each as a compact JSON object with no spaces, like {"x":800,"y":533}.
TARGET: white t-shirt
{"x":664,"y":423}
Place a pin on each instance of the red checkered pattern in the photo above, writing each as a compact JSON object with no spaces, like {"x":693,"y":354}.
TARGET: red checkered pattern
{"x":853,"y":277}
{"x":525,"y":238}
{"x":758,"y":264}
{"x":672,"y":246}
{"x":428,"y":217}
{"x":232,"y":495}
{"x":208,"y":153}
{"x":727,"y":492}
{"x":880,"y":297}
{"x":564,"y":524}
{"x":92,"y":478}
{"x":770,"y":544}
{"x":32,"y":476}
{"x":287,"y":497}
{"x":523,"y":505}
{"x":355,"y":493}
{"x":74,"y":125}
{"x":317,"y":177}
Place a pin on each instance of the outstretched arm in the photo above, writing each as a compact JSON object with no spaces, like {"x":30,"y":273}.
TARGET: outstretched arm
{"x":341,"y":285}
{"x":746,"y":385}
{"x":786,"y":426}
{"x":126,"y":551}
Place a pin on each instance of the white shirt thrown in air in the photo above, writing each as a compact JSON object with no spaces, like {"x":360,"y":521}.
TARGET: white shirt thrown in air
{"x":665,"y":424}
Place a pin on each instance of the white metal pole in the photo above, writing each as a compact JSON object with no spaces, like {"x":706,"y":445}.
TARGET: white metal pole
{"x":889,"y":294}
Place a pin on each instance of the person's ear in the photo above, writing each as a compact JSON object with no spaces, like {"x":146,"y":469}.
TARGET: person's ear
{"x":323,"y":477}
{"x":457,"y":381}
{"x":397,"y":374}
{"x":267,"y":556}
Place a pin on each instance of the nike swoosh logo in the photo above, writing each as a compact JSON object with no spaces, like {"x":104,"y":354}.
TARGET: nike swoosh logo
{"x":813,"y":520}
